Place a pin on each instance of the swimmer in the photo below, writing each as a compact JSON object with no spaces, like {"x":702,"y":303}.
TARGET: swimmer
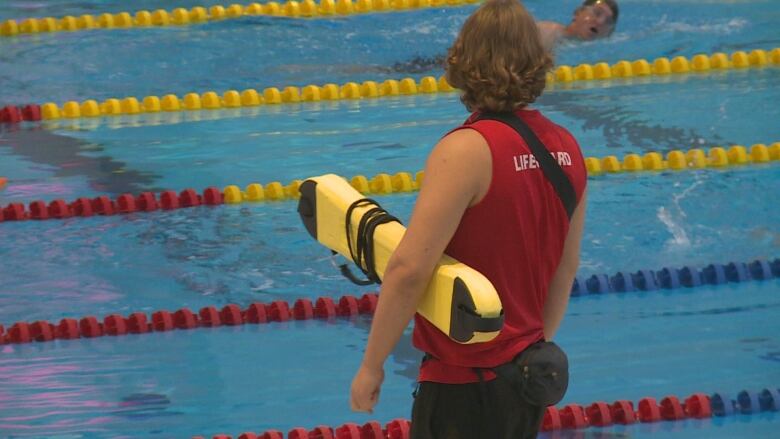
{"x":593,"y":20}
{"x":505,"y":196}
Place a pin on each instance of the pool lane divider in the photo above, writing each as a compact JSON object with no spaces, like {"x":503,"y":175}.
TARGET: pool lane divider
{"x":144,"y":19}
{"x":212,"y":100}
{"x":663,"y":66}
{"x":570,"y":417}
{"x":380,"y":184}
{"x":103,"y":205}
{"x":326,"y":308}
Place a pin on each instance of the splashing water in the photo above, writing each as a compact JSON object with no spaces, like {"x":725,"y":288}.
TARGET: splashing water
{"x":675,"y":223}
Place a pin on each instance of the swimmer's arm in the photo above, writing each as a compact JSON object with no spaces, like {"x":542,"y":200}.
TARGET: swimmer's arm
{"x":560,"y":286}
{"x":456,"y":172}
{"x":551,"y":32}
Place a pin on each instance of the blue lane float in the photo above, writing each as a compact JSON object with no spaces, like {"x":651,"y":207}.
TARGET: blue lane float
{"x":714,"y":274}
{"x":622,"y":282}
{"x":672,"y":278}
{"x":722,"y":405}
{"x":760,"y":270}
{"x":690,"y":277}
{"x":747,"y":402}
{"x":645,"y":280}
{"x":736,"y":272}
{"x":776,"y":268}
{"x":769,"y":400}
{"x":598,"y":284}
{"x":578,"y":289}
{"x":669,"y":278}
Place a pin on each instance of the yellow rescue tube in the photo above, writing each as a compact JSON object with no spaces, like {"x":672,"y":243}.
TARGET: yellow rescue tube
{"x":459,"y":300}
{"x":3,"y":181}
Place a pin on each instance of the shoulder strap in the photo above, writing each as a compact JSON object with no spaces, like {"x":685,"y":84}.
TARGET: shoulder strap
{"x":550,"y":167}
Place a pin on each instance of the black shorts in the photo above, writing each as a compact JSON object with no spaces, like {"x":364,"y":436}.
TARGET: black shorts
{"x":488,"y":410}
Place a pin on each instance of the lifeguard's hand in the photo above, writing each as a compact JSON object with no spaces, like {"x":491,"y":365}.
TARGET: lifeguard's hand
{"x":365,"y":389}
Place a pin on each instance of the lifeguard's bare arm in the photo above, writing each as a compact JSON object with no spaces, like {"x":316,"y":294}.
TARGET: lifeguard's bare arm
{"x":560,"y":287}
{"x":457,"y":171}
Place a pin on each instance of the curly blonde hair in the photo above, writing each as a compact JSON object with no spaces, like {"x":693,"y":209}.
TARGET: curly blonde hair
{"x":498,"y":61}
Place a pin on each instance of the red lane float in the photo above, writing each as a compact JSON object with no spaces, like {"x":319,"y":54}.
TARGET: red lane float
{"x":573,"y":417}
{"x":551,"y":420}
{"x":115,"y":324}
{"x":372,"y":430}
{"x":14,"y":114}
{"x":137,"y":323}
{"x":325,"y":308}
{"x":278,"y":311}
{"x":303,"y":310}
{"x":622,"y":412}
{"x":649,"y":411}
{"x":184,"y":319}
{"x":698,"y":406}
{"x":398,"y":429}
{"x":42,"y":331}
{"x":68,"y":329}
{"x":599,"y":414}
{"x":271,"y":434}
{"x":11,"y":114}
{"x":672,"y":409}
{"x":348,"y":307}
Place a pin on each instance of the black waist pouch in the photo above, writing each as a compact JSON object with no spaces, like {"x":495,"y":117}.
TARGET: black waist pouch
{"x":540,"y":374}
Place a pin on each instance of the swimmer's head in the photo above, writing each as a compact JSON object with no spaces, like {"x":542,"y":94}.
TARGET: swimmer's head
{"x":594,"y":19}
{"x":498,"y":61}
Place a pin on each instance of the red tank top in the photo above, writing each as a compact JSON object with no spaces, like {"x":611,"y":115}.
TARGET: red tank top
{"x":514,"y":236}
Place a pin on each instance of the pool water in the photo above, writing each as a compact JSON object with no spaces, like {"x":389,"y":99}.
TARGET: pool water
{"x":284,"y":375}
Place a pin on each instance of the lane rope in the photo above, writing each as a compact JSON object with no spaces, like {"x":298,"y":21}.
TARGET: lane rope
{"x":327,"y":308}
{"x":305,"y":9}
{"x":380,"y":184}
{"x":212,"y":100}
{"x":569,"y":417}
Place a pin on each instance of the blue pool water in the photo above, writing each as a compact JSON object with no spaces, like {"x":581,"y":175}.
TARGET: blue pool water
{"x":253,"y":378}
